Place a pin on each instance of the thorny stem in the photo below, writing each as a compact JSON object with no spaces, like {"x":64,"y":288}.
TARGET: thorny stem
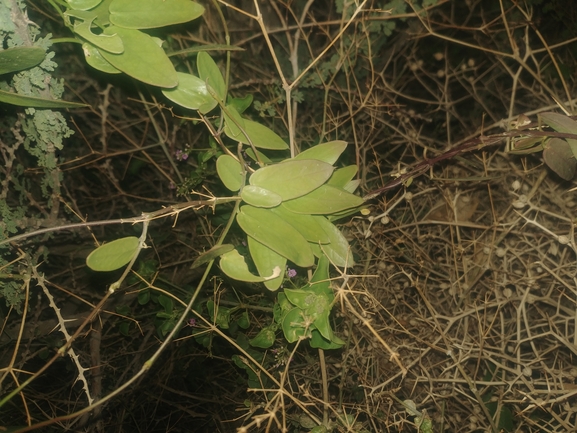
{"x":476,"y":143}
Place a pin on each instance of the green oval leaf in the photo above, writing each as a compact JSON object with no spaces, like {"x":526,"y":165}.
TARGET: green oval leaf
{"x":244,"y":320}
{"x":317,"y":341}
{"x":241,"y":104}
{"x":113,"y":255}
{"x":233,"y":265}
{"x":306,"y":225}
{"x":337,"y":250}
{"x":323,"y":201}
{"x":142,"y":58}
{"x":19,"y":58}
{"x":213,"y":253}
{"x":275,"y":233}
{"x":265,"y":338}
{"x":294,"y":326}
{"x":266,"y":261}
{"x":240,"y":129}
{"x":292,"y":179}
{"x":327,"y":152}
{"x":233,"y":123}
{"x":191,"y":93}
{"x":230,"y":172}
{"x":95,"y":59}
{"x":260,"y":197}
{"x":342,"y":176}
{"x":322,"y":275}
{"x":148,"y":14}
{"x":110,"y":43}
{"x":300,"y":298}
{"x":210,"y":74}
{"x":261,"y":156}
{"x":321,"y":321}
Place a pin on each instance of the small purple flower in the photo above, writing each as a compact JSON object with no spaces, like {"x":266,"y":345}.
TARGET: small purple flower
{"x":192,"y":322}
{"x":291,"y":273}
{"x":180,"y":155}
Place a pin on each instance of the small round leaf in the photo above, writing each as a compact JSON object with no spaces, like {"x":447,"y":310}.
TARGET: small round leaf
{"x":113,"y":255}
{"x":229,"y":171}
{"x":260,"y":197}
{"x":327,"y":152}
{"x":292,"y":179}
{"x":191,"y":93}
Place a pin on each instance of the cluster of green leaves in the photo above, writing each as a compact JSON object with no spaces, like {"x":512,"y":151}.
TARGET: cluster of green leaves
{"x":288,"y":207}
{"x":113,"y":41}
{"x":304,"y":313}
{"x":288,"y":211}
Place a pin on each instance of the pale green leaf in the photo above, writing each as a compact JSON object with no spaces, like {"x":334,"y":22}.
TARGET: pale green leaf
{"x":113,"y":255}
{"x":111,"y":43}
{"x":338,"y":249}
{"x":241,"y":129}
{"x":148,"y":14}
{"x":83,"y":5}
{"x":260,"y":197}
{"x":327,"y":152}
{"x":233,"y":123}
{"x":209,"y":72}
{"x":99,"y":14}
{"x":95,"y":59}
{"x":321,"y":321}
{"x":102,"y":13}
{"x":191,"y":93}
{"x":142,"y":58}
{"x":261,"y":136}
{"x":352,"y":185}
{"x":324,"y":200}
{"x":19,"y":58}
{"x":265,"y":338}
{"x":342,"y":176}
{"x":321,"y":274}
{"x":266,"y":260}
{"x":306,"y":225}
{"x":275,"y":233}
{"x":234,"y":265}
{"x":345,"y":213}
{"x":229,"y":171}
{"x":261,"y":156}
{"x":317,"y":341}
{"x":293,"y":325}
{"x":292,"y":179}
{"x":300,"y":298}
{"x":213,"y":253}
{"x":31,"y":101}
{"x":241,"y":104}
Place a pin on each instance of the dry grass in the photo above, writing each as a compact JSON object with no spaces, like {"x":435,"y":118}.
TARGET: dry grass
{"x":464,"y":300}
